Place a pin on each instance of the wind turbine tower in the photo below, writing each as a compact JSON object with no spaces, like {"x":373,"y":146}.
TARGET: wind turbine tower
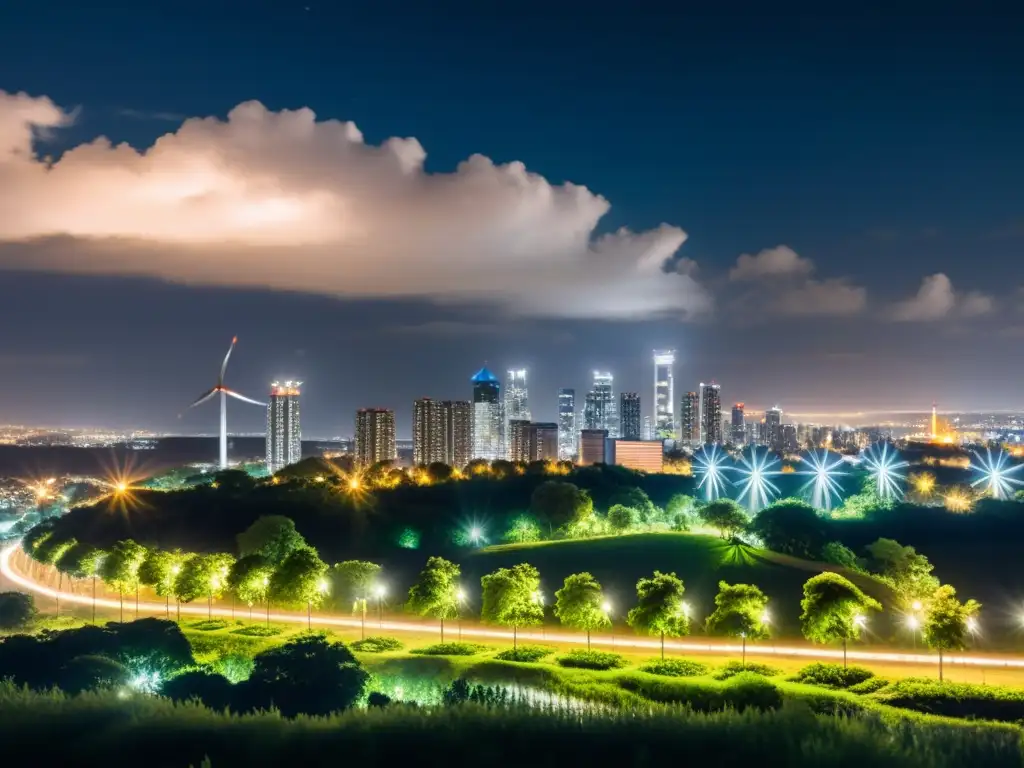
{"x":220,"y":389}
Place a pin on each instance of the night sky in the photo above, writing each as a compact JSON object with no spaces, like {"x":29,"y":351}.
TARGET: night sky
{"x":849,"y":189}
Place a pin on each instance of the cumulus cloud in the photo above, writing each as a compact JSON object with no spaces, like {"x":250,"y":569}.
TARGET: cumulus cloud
{"x":284,"y":201}
{"x":823,"y":297}
{"x":771,"y":262}
{"x":936,"y":299}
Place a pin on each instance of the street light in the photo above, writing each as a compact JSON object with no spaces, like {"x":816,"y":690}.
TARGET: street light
{"x":175,"y":570}
{"x":476,"y":533}
{"x":321,"y":587}
{"x":916,"y":605}
{"x":912,"y":624}
{"x":460,"y":598}
{"x":380,"y":590}
{"x":266,"y":588}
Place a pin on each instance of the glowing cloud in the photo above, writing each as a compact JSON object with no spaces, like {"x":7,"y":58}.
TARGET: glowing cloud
{"x":281,"y":200}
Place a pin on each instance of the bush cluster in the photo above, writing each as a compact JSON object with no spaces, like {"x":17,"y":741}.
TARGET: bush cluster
{"x":984,"y":702}
{"x":675,"y":668}
{"x":734,"y":668}
{"x":592,"y":660}
{"x":525,"y":653}
{"x":450,"y":649}
{"x":871,"y":685}
{"x":208,"y":625}
{"x":377,"y":644}
{"x":258,"y":630}
{"x":832,"y":675}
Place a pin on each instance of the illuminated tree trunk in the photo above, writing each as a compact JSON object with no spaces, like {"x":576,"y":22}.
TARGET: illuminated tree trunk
{"x":744,"y":656}
{"x":442,"y":630}
{"x":136,"y":601}
{"x":940,"y":665}
{"x":120,"y":597}
{"x":662,"y":646}
{"x":514,"y":641}
{"x":844,"y":653}
{"x":588,"y":639}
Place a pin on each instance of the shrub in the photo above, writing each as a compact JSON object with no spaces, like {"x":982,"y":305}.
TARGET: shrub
{"x":985,"y":702}
{"x":16,"y":610}
{"x":378,"y":699}
{"x":377,"y":644}
{"x":751,"y":690}
{"x":592,"y":660}
{"x":871,"y":685}
{"x":450,"y":649}
{"x":88,"y":673}
{"x":836,"y":553}
{"x":258,"y":630}
{"x":833,"y":675}
{"x":525,"y":653}
{"x":209,"y":625}
{"x":236,"y":667}
{"x":675,"y":668}
{"x":734,"y":668}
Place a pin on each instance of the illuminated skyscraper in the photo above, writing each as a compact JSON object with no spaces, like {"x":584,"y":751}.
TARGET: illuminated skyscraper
{"x":771,"y":435}
{"x":428,"y":433}
{"x":516,"y":405}
{"x":533,"y":441}
{"x":375,"y":436}
{"x":457,"y":420}
{"x":710,"y":413}
{"x":567,"y":442}
{"x":599,"y":411}
{"x":737,"y":435}
{"x":664,"y":395}
{"x":629,"y":416}
{"x":284,"y":432}
{"x":486,"y":424}
{"x":689,"y":419}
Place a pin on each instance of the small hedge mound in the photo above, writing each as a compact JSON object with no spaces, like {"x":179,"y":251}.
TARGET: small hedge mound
{"x":871,"y":685}
{"x":983,"y":702}
{"x":833,"y":675}
{"x":208,"y":625}
{"x":450,"y":649}
{"x":377,"y":644}
{"x":749,"y":690}
{"x":592,"y":660}
{"x":525,"y":653}
{"x":258,"y":630}
{"x":734,"y":668}
{"x":675,"y":668}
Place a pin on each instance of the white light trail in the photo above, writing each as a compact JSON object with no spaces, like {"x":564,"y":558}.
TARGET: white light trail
{"x":884,"y":466}
{"x":995,"y":474}
{"x":824,"y":487}
{"x":710,"y":469}
{"x":757,"y":488}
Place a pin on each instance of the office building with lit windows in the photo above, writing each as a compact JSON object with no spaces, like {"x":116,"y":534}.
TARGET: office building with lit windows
{"x":689,"y":419}
{"x":593,"y":446}
{"x":771,"y":434}
{"x":456,"y":421}
{"x":629,"y":416}
{"x":284,"y":430}
{"x":599,"y":411}
{"x":664,"y":395}
{"x":375,"y":436}
{"x":567,"y":439}
{"x":533,"y":441}
{"x":516,"y":406}
{"x":737,"y":434}
{"x":710,"y":413}
{"x":486,"y":426}
{"x":428,"y":433}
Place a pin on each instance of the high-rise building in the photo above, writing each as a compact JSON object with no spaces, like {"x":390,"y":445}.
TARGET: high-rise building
{"x":789,"y":438}
{"x":771,"y":435}
{"x":428,"y":433}
{"x":642,"y":455}
{"x":629,"y":415}
{"x":710,"y":413}
{"x":517,"y":439}
{"x":533,"y":441}
{"x":689,"y":419}
{"x":599,"y":411}
{"x":738,"y":435}
{"x":567,"y":442}
{"x":457,"y":420}
{"x":486,"y":424}
{"x":647,"y":431}
{"x":516,"y":404}
{"x":664,"y":395}
{"x":284,"y":431}
{"x":375,"y":436}
{"x":592,"y":446}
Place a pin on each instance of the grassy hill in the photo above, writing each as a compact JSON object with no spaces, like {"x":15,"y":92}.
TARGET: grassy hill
{"x":700,"y":561}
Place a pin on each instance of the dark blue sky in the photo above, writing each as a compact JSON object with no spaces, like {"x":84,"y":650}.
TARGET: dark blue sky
{"x":885,"y":148}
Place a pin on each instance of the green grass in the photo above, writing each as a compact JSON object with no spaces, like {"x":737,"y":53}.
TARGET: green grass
{"x":700,"y":561}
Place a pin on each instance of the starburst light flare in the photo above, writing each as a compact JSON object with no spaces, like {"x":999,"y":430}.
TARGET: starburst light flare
{"x":709,"y":466}
{"x":884,"y":466}
{"x":824,"y":487}
{"x":756,"y":469}
{"x":996,"y":473}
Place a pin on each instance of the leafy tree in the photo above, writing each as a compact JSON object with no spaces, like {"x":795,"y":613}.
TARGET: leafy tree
{"x":836,"y":553}
{"x":638,"y":500}
{"x":272,"y":536}
{"x":234,"y":481}
{"x":909,"y":573}
{"x":740,"y":611}
{"x":249,"y":578}
{"x":622,"y":518}
{"x":523,"y":530}
{"x":203,"y":576}
{"x":81,"y":560}
{"x":561,"y":504}
{"x":681,"y":512}
{"x":353,"y":581}
{"x":834,"y":610}
{"x":439,"y":472}
{"x":299,"y":580}
{"x":580,"y":604}
{"x":511,"y":597}
{"x":947,"y":622}
{"x":17,"y":611}
{"x":792,"y":527}
{"x":436,"y":594}
{"x":36,"y":535}
{"x":307,"y":676}
{"x":120,"y":569}
{"x":160,"y":570}
{"x":725,"y":515}
{"x":213,"y":690}
{"x":660,"y":609}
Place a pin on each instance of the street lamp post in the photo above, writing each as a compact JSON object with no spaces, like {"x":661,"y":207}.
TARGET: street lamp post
{"x":380,"y":590}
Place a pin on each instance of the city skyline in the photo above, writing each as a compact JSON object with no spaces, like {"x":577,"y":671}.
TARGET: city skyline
{"x":378,"y":237}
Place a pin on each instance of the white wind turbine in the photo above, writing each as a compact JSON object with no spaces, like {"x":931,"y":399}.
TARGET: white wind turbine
{"x":223,"y":391}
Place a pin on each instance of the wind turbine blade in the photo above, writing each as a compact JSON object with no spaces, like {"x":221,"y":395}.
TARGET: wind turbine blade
{"x":224,"y":365}
{"x":243,"y":398}
{"x":204,"y":397}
